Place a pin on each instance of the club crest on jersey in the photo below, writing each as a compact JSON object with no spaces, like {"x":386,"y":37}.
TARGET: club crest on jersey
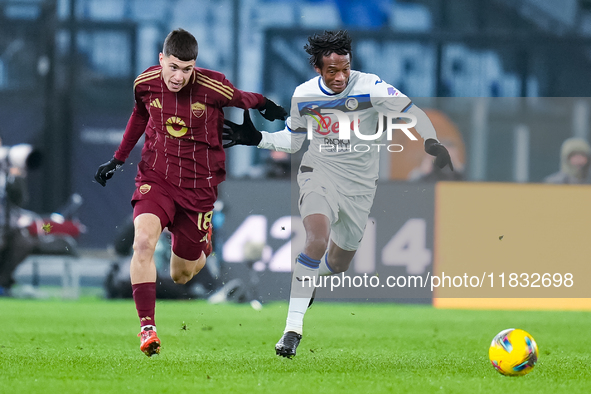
{"x":145,"y":188}
{"x":172,"y":130}
{"x":351,"y":104}
{"x":198,"y":109}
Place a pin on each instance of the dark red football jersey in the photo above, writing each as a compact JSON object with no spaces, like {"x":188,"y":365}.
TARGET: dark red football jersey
{"x":183,"y":130}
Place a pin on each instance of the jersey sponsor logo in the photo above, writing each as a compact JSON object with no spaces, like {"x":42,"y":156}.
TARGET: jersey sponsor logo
{"x":335,"y":145}
{"x":156,"y":103}
{"x":172,"y":126}
{"x":326,"y":125}
{"x":145,"y":188}
{"x":198,"y":109}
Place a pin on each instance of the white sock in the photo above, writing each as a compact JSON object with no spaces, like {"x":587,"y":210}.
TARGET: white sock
{"x":324,"y":269}
{"x":148,"y":327}
{"x":303,"y":280}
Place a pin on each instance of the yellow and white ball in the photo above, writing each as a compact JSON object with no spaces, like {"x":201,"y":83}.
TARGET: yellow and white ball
{"x":513,"y":352}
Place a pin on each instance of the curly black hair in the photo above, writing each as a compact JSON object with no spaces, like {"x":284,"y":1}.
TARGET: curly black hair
{"x":325,"y":44}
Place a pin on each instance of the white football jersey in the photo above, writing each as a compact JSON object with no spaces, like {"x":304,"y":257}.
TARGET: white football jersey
{"x":351,"y":163}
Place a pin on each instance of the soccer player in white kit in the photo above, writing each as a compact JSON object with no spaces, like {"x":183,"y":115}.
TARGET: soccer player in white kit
{"x":337,"y":176}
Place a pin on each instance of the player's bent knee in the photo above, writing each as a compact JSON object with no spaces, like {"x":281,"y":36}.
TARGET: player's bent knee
{"x":183,"y":270}
{"x":180,"y":278}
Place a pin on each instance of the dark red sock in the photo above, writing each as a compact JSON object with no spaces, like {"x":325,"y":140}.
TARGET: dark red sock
{"x":144,"y":295}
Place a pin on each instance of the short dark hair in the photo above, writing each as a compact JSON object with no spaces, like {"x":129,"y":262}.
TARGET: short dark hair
{"x":180,"y":44}
{"x":325,"y":44}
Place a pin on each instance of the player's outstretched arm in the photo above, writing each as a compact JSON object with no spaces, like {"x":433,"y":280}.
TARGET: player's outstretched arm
{"x":106,"y":171}
{"x":427,"y":131}
{"x":284,"y":140}
{"x":435,"y":148}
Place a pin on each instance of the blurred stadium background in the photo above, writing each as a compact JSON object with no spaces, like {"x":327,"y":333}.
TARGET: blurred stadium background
{"x":508,"y":80}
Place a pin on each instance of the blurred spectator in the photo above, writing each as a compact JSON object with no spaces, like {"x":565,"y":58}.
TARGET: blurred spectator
{"x":14,"y":180}
{"x":365,"y":14}
{"x":16,"y":243}
{"x":574,"y":163}
{"x":427,"y":172}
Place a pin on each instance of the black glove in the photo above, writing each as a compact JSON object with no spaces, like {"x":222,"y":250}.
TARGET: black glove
{"x":441,"y":154}
{"x":241,"y":134}
{"x":272,"y":111}
{"x":106,"y":171}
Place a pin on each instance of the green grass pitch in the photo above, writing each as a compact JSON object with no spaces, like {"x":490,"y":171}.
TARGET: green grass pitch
{"x":90,"y":346}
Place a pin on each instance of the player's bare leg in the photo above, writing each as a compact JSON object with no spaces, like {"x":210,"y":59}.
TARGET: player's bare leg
{"x":304,"y":276}
{"x":339,"y":259}
{"x":334,"y":261}
{"x":317,"y":228}
{"x":143,"y":278}
{"x":147,"y":231}
{"x":183,"y":270}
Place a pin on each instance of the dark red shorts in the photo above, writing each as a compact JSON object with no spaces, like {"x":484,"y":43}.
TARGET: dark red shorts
{"x":186,"y":212}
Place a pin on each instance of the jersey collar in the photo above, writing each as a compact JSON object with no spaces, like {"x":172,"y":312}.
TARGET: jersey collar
{"x":325,"y":89}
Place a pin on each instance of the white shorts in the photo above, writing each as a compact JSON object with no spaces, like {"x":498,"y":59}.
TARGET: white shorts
{"x":347,"y":214}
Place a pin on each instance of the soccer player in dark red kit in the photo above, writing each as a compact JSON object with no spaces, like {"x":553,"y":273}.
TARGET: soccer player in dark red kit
{"x":179,"y":109}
